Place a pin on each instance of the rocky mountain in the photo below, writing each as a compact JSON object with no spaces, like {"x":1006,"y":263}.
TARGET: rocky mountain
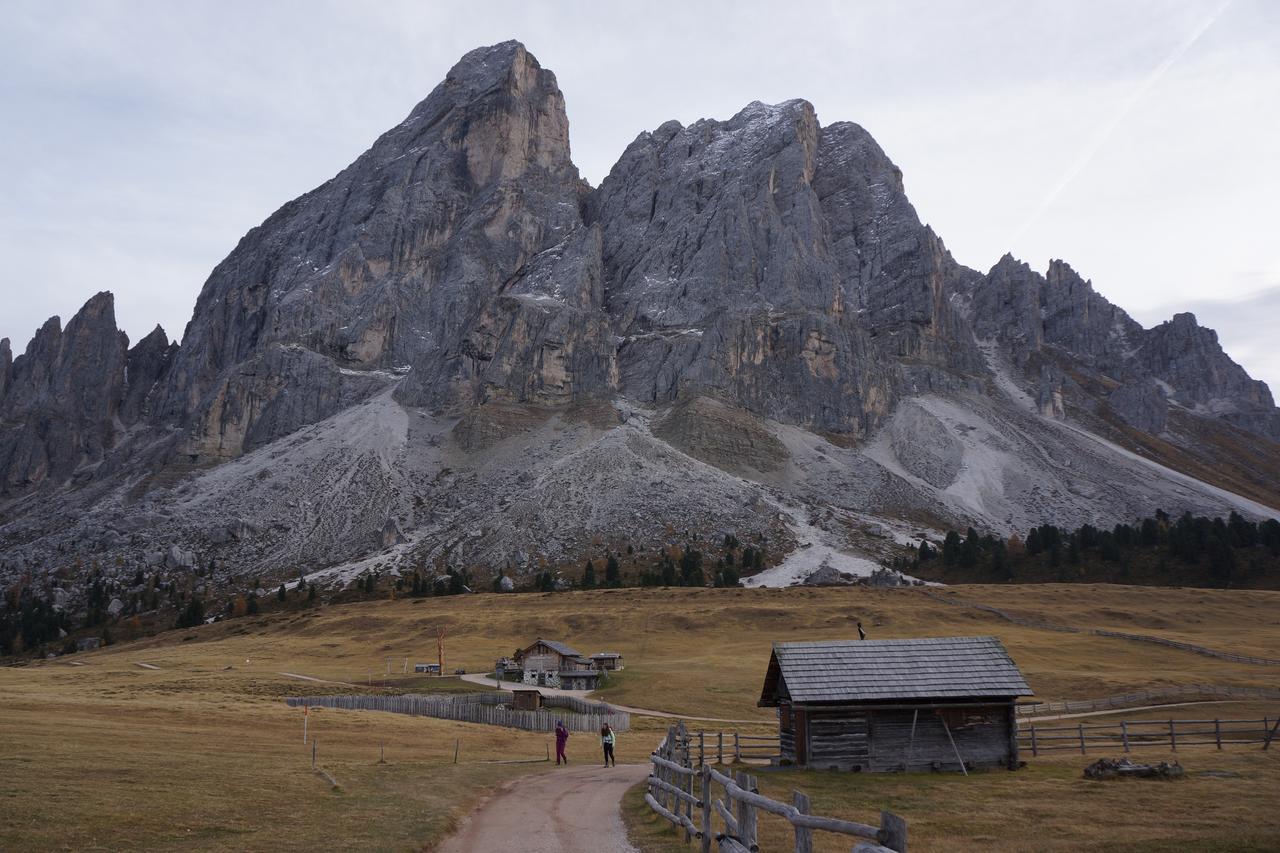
{"x":458,"y":352}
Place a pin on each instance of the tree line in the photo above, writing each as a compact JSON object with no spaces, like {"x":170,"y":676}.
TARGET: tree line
{"x":1158,"y":550}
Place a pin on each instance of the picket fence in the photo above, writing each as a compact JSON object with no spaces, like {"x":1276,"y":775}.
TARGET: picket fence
{"x":487,"y":708}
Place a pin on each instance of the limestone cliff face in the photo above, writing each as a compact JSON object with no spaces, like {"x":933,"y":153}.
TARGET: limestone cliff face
{"x":721,"y":275}
{"x":384,"y":266}
{"x":6,"y":365}
{"x":766,"y":262}
{"x":63,"y":396}
{"x":1143,"y":370}
{"x":1198,"y":375}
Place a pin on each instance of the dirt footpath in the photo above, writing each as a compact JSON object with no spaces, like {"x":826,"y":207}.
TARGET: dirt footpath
{"x":571,"y":809}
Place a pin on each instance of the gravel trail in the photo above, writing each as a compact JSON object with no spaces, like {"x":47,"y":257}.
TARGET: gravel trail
{"x":574,"y":809}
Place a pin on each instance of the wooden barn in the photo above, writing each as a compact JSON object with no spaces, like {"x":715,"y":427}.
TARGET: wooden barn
{"x":526,"y":700}
{"x":607,"y":661}
{"x":882,"y":705}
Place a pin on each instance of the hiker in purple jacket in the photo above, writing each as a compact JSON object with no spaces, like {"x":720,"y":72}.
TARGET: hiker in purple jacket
{"x":562,"y":737}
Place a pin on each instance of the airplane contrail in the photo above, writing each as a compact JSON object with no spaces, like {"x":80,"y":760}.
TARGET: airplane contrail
{"x":1104,"y":132}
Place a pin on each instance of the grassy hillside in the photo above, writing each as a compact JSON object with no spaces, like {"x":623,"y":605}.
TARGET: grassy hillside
{"x":201,"y":751}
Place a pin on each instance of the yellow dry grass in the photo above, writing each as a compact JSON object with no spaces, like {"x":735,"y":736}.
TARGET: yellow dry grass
{"x":201,"y":752}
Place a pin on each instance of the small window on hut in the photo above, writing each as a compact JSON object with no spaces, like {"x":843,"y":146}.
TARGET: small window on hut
{"x":964,"y":718}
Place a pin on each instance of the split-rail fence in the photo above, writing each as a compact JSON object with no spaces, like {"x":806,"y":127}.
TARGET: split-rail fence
{"x":486,"y":708}
{"x":1147,"y":697}
{"x":1134,"y":734}
{"x":695,"y":798}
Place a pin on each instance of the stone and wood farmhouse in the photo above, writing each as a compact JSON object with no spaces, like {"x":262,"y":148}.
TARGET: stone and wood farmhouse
{"x":548,"y":663}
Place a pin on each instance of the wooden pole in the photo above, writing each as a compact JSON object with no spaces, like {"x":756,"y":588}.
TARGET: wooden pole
{"x":1081,"y":731}
{"x":1271,"y":733}
{"x":954,"y":748}
{"x":911,"y":741}
{"x":1124,"y":734}
{"x":706,"y":808}
{"x":737,"y":749}
{"x":1034,"y":750}
{"x":306,"y":715}
{"x":456,"y":743}
{"x":804,"y":835}
{"x":1173,"y":740}
{"x":720,"y":748}
{"x":440,"y":649}
{"x":313,"y":752}
{"x":1217,"y":732}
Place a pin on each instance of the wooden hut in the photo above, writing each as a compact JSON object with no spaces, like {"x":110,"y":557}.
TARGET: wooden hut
{"x":883,"y":705}
{"x":607,"y":661}
{"x":526,"y":700}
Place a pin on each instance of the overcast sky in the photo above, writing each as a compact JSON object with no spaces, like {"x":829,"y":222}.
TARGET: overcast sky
{"x":1140,"y":141}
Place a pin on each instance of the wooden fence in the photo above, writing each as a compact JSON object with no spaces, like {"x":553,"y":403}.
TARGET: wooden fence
{"x":686,"y":795}
{"x":487,"y":708}
{"x":698,"y":748}
{"x":1134,"y":734}
{"x":1147,"y":697}
{"x":1188,"y":647}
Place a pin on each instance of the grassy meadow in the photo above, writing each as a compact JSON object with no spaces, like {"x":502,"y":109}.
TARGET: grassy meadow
{"x":201,"y":752}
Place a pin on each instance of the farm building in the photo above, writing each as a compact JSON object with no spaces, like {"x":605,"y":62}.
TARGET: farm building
{"x":607,"y":661}
{"x":548,"y":663}
{"x":884,"y":705}
{"x":526,"y":700}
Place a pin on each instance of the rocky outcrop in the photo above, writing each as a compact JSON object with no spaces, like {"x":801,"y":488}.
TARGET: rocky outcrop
{"x":1142,"y":369}
{"x":387,"y":265}
{"x":1142,"y":405}
{"x":721,"y":277}
{"x":6,"y":365}
{"x":62,"y":397}
{"x":148,"y":363}
{"x":1195,"y":373}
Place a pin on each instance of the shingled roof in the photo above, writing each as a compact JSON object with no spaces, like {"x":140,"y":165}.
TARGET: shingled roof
{"x":881,"y":670}
{"x":557,"y":646}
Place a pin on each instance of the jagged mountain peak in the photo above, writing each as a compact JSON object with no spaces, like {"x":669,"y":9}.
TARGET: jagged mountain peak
{"x":458,"y":338}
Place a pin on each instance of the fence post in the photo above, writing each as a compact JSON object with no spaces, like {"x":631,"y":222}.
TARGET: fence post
{"x":1173,"y":740}
{"x":706,"y":808}
{"x":804,"y":835}
{"x":686,"y":784}
{"x":1271,"y":732}
{"x":1217,"y":732}
{"x":893,"y":832}
{"x":1034,"y":750}
{"x":1081,"y":730}
{"x":314,"y":741}
{"x":1124,"y":734}
{"x":720,"y":748}
{"x":737,"y":749}
{"x":702,"y":757}
{"x":746,"y":812}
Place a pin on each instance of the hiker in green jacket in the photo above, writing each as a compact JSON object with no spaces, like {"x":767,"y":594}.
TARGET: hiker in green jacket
{"x":607,"y":739}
